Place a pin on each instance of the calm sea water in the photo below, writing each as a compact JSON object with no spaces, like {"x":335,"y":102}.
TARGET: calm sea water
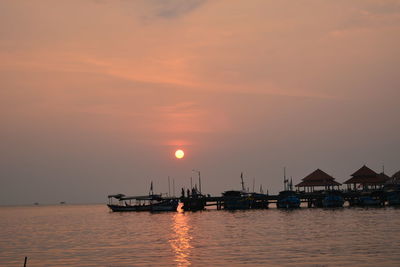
{"x":90,"y":235}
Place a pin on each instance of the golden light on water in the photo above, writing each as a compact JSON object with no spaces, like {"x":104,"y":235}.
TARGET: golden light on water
{"x":179,"y":154}
{"x":180,"y":241}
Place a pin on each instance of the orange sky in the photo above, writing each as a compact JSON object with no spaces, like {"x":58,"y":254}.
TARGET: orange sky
{"x":95,"y":96}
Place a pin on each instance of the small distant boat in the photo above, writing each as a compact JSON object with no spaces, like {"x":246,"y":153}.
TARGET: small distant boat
{"x":62,"y":202}
{"x":36,"y":203}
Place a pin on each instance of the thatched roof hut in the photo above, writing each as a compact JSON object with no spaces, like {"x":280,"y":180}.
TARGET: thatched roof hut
{"x":396,"y":177}
{"x":366,"y":177}
{"x":318,"y":178}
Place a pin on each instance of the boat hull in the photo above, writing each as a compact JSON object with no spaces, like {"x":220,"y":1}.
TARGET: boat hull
{"x":393,"y":198}
{"x":288,"y":203}
{"x":169,"y":205}
{"x":237,"y":204}
{"x":333,"y":201}
{"x":288,"y":200}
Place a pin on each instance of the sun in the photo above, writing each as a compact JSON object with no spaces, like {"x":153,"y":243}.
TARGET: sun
{"x":179,"y":154}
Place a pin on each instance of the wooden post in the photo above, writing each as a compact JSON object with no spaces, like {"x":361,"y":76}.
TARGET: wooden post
{"x":26,"y":259}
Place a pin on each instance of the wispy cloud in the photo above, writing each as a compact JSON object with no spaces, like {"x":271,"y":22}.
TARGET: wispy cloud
{"x":175,"y":8}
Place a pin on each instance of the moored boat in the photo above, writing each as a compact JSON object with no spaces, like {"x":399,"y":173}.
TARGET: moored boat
{"x":151,"y":202}
{"x":142,"y":203}
{"x":332,"y":199}
{"x":288,"y":199}
{"x":393,"y":197}
{"x":328,"y":199}
{"x":236,"y":200}
{"x":366,"y":199}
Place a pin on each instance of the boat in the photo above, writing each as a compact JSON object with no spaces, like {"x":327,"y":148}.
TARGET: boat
{"x":236,"y":200}
{"x":194,"y":201}
{"x":142,"y":203}
{"x":368,"y":199}
{"x":259,"y":201}
{"x":332,"y":199}
{"x":364,"y":201}
{"x":393,"y":197}
{"x":392,"y":190}
{"x":328,"y":199}
{"x":288,"y":199}
{"x":151,"y":202}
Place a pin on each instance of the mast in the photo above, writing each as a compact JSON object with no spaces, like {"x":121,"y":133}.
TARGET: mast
{"x":169,"y":187}
{"x":151,"y":192}
{"x":198,"y":173}
{"x":242,"y":182}
{"x":173,"y":186}
{"x":199,"y":183}
{"x":284,"y":178}
{"x":291,"y":184}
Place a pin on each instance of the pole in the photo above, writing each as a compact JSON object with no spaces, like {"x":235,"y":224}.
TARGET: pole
{"x":169,"y":187}
{"x":173,"y":187}
{"x":199,"y":183}
{"x":284,"y":178}
{"x":26,"y":259}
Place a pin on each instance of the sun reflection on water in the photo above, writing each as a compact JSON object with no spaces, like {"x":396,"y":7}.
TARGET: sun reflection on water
{"x":180,"y":240}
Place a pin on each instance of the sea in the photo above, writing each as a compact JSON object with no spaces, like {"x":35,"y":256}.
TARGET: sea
{"x":91,"y":235}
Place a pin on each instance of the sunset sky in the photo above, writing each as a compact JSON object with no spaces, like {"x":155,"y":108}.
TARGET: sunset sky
{"x":96,"y":96}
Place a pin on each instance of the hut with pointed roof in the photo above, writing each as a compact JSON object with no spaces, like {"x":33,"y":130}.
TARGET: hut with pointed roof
{"x":318,"y":178}
{"x":396,"y":177}
{"x":393,"y":182}
{"x":366,"y":178}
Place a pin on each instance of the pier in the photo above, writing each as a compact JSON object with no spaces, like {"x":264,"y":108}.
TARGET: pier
{"x":263,"y":201}
{"x":316,"y":190}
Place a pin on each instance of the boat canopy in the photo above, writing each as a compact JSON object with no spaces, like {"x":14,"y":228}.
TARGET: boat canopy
{"x":148,"y":197}
{"x":117,"y":196}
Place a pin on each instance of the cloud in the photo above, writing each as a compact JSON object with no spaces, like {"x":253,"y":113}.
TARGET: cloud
{"x":176,"y":8}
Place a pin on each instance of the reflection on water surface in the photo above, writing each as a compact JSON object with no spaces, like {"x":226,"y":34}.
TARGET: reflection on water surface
{"x":181,"y":238}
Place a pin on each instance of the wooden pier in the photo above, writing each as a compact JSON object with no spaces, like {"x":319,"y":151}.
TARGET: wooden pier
{"x":262,"y":201}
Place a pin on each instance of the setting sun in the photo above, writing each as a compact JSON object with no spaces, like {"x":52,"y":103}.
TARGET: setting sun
{"x":179,"y":154}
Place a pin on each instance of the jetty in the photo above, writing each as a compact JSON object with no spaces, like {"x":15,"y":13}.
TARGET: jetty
{"x":318,"y":189}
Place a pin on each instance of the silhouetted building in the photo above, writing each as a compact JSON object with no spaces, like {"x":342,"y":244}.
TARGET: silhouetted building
{"x":365,"y":178}
{"x":318,"y":178}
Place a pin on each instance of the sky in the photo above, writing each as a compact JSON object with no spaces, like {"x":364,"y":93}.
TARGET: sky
{"x":96,"y":96}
